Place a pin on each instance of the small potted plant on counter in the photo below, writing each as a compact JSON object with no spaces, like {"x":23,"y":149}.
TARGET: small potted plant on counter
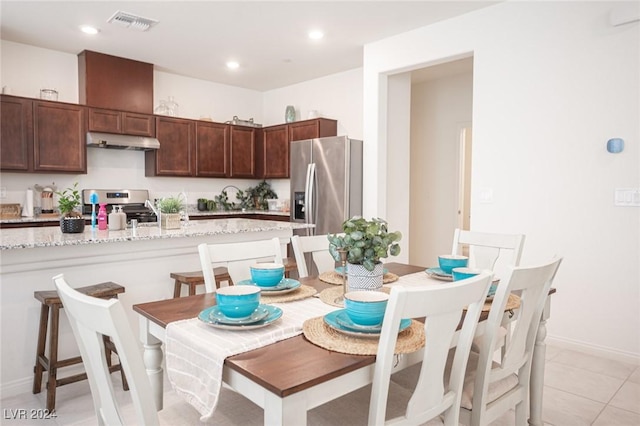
{"x":170,"y":208}
{"x":366,"y":242}
{"x":71,"y":220}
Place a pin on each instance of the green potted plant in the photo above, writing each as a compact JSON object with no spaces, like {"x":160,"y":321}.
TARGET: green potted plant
{"x":365,"y":242}
{"x":71,"y":220}
{"x":170,"y":208}
{"x":261,"y":193}
{"x":245,"y":199}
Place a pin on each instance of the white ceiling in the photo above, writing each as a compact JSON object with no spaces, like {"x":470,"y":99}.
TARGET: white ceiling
{"x":196,"y":38}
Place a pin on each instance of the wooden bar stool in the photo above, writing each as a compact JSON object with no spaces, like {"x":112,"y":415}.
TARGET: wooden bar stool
{"x":51,"y":301}
{"x":195,"y":278}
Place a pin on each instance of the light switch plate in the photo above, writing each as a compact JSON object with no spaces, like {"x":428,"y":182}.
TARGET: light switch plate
{"x":486,"y":195}
{"x":3,"y":192}
{"x":627,"y":197}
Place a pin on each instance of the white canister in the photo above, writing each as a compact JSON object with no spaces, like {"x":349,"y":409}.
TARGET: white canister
{"x":115,"y":224}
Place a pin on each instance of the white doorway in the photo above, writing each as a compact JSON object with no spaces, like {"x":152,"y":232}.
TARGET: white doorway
{"x":440,"y":158}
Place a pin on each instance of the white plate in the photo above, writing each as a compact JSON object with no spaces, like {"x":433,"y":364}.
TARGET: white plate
{"x":439,"y":274}
{"x":274,"y":313}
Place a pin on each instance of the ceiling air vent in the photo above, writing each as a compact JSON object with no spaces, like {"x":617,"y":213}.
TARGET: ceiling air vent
{"x":129,"y":20}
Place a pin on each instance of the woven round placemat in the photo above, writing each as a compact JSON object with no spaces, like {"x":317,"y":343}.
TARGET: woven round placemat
{"x":301,"y":293}
{"x":329,"y":295}
{"x":512,"y":303}
{"x":320,"y":334}
{"x":332,"y":277}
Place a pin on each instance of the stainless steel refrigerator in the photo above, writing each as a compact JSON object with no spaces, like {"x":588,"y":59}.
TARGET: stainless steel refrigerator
{"x":326,"y":182}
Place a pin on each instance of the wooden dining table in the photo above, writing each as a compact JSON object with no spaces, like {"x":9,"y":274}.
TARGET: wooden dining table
{"x":292,"y":376}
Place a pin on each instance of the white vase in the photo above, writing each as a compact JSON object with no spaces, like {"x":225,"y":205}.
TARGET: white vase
{"x":360,"y":278}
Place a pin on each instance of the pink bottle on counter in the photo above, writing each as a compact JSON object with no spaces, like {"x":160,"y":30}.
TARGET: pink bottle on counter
{"x":102,"y":217}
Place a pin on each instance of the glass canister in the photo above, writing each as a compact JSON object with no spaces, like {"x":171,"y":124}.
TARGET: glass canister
{"x":290,"y":114}
{"x":49,"y":94}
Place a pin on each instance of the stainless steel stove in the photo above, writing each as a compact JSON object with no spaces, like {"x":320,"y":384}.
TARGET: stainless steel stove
{"x":131,"y":200}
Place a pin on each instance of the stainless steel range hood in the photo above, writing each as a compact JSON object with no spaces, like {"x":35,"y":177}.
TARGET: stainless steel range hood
{"x":111,"y":141}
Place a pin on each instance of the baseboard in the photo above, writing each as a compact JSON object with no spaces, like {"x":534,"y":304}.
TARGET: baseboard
{"x":17,"y":387}
{"x":601,"y":351}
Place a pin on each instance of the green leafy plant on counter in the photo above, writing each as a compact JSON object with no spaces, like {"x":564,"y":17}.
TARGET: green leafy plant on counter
{"x":223,"y":201}
{"x":366,"y":241}
{"x":261,"y":193}
{"x":169,"y":205}
{"x":69,"y":201}
{"x":245,"y":199}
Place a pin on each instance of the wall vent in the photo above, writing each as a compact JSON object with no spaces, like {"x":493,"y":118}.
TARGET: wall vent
{"x":129,"y":20}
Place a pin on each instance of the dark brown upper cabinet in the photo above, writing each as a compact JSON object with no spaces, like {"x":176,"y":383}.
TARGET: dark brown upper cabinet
{"x":42,"y":137}
{"x":242,"y":148}
{"x":16,"y":134}
{"x":212,"y":150}
{"x":121,"y":122}
{"x":176,"y":156}
{"x":273,"y":146}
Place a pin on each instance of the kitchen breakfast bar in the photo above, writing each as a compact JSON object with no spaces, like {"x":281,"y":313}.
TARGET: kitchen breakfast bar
{"x":140,"y":260}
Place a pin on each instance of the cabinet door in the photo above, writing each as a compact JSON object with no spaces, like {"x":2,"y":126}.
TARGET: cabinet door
{"x":273,"y":155}
{"x":15,"y":134}
{"x":315,"y":128}
{"x":212,"y":150}
{"x":105,"y":120}
{"x":242,"y":152}
{"x":138,"y":124}
{"x":177,"y":142}
{"x":59,"y":137}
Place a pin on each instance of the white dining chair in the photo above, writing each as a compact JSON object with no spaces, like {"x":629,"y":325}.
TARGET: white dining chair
{"x":494,"y":252}
{"x":237,"y":257}
{"x":491,"y":388}
{"x":90,"y":319}
{"x":312,"y":251}
{"x":434,"y":395}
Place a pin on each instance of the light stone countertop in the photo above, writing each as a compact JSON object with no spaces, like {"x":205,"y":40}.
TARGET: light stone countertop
{"x":22,"y":238}
{"x":192,"y":213}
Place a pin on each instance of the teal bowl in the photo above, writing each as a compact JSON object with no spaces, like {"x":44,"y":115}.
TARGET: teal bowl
{"x":464,"y":273}
{"x":267,"y":274}
{"x":366,"y":307}
{"x":238,"y":301}
{"x":449,"y":261}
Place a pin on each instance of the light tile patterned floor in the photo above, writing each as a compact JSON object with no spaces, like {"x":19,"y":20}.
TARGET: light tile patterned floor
{"x":580,"y":389}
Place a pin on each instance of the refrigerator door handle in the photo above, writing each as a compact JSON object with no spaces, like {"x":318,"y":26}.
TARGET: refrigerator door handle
{"x":307,"y":194}
{"x":310,"y":200}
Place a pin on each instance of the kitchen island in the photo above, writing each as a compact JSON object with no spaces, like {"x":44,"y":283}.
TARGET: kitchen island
{"x":139,"y":260}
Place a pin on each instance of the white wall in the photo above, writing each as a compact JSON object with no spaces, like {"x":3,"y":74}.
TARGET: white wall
{"x":338,"y":96}
{"x":438,"y":109}
{"x":552,"y":82}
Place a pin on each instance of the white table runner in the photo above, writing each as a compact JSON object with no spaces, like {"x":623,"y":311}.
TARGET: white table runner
{"x":195,"y":352}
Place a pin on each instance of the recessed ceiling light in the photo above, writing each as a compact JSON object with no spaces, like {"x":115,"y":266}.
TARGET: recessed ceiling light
{"x":232,"y":65}
{"x":88,"y":29}
{"x":316,"y":34}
